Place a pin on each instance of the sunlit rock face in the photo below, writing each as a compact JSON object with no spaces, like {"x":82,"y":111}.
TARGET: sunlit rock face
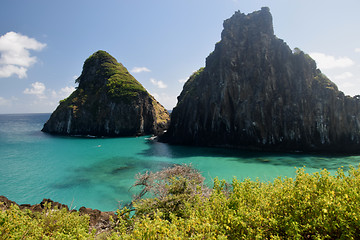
{"x":109,"y":101}
{"x":255,"y":92}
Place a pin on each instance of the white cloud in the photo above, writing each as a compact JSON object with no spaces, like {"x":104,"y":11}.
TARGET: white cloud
{"x":343,"y":76}
{"x":346,"y":85}
{"x":156,"y":96}
{"x":357,"y":50}
{"x":66,"y":91}
{"x":183,"y":80}
{"x":63,"y":92}
{"x":37,"y":88}
{"x":159,"y":84}
{"x":46,"y":99}
{"x":75,"y":77}
{"x":4,"y":102}
{"x":169,"y":102}
{"x":140,"y":69}
{"x":15,"y":58}
{"x":328,"y":62}
{"x":8,"y":101}
{"x":8,"y":70}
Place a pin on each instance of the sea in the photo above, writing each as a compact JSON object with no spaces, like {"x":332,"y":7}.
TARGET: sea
{"x":99,"y":173}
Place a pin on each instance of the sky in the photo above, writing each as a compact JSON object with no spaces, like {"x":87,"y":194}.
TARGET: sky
{"x":43,"y":44}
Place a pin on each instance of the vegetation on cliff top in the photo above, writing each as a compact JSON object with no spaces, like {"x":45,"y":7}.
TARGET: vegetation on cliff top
{"x":190,"y":85}
{"x":320,"y":78}
{"x":101,"y":69}
{"x":103,"y":74}
{"x":310,"y":206}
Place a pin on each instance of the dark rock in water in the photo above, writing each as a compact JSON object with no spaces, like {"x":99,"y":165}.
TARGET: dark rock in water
{"x":254,"y":92}
{"x":109,"y":101}
{"x":120,"y":169}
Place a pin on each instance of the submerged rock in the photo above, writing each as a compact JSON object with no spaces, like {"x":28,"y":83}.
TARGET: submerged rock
{"x":109,"y":101}
{"x":254,"y":92}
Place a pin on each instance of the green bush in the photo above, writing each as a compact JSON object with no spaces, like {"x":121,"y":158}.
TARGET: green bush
{"x":180,"y":206}
{"x":311,"y":206}
{"x":170,"y":191}
{"x":49,"y":224}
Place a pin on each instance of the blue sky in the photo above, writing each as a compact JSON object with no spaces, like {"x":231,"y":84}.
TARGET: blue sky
{"x":43,"y":44}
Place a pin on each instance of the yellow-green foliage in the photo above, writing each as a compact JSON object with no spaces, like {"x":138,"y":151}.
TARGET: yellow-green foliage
{"x":102,"y":75}
{"x":162,"y":115}
{"x":316,"y":206}
{"x":310,"y":206}
{"x":74,"y":101}
{"x":122,"y":84}
{"x":190,"y":86}
{"x":49,"y":224}
{"x":324,"y":81}
{"x":119,"y":82}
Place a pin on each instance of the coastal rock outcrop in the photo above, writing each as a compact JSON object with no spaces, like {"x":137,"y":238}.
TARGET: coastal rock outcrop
{"x":256,"y":93}
{"x":109,"y":101}
{"x":101,"y":221}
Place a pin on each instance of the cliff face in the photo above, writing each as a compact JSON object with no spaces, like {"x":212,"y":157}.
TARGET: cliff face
{"x":256,"y":93}
{"x":109,"y":101}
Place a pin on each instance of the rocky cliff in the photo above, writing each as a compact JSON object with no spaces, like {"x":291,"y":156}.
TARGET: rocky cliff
{"x":255,"y":92}
{"x":109,"y":101}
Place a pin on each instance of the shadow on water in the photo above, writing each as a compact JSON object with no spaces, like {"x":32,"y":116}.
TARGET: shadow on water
{"x":109,"y":179}
{"x":110,"y":172}
{"x":299,"y":160}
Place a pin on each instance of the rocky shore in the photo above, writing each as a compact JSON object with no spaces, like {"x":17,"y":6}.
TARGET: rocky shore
{"x":98,"y":220}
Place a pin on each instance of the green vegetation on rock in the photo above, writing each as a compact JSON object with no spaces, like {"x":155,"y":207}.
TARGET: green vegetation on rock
{"x":48,"y":224}
{"x":190,"y":85}
{"x":322,"y":80}
{"x":310,"y":206}
{"x":161,"y":114}
{"x":180,"y":206}
{"x":102,"y":74}
{"x":74,"y":101}
{"x":123,"y":85}
{"x":110,"y":77}
{"x":108,"y":101}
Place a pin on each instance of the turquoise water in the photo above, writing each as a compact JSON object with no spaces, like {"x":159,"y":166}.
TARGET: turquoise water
{"x":98,"y":172}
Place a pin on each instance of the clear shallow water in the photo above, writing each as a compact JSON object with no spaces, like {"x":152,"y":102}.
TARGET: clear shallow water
{"x":98,"y":172}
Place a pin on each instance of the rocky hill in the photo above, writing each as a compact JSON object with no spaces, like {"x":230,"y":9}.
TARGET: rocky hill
{"x":109,"y":101}
{"x":255,"y":92}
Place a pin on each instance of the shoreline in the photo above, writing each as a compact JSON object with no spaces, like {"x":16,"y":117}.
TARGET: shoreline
{"x":99,"y":220}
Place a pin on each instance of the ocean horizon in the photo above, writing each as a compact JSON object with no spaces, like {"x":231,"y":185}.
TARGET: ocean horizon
{"x":98,"y":172}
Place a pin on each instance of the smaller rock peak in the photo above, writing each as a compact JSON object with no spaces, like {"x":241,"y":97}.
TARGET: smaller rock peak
{"x":100,"y":56}
{"x":109,"y":101}
{"x":98,"y":68}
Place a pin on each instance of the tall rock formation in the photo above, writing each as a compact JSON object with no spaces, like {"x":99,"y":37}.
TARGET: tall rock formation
{"x":254,"y":92}
{"x":109,"y":101}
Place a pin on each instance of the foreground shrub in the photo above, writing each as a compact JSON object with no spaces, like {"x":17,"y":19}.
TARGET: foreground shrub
{"x":48,"y":224}
{"x":180,"y":206}
{"x":311,"y":206}
{"x":170,"y":191}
